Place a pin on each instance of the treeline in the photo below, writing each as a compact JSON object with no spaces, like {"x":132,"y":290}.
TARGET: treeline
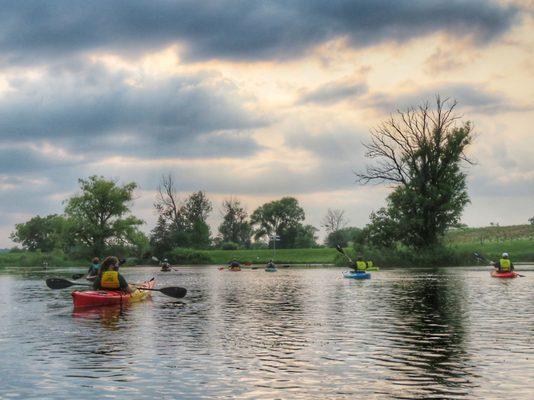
{"x":98,"y":221}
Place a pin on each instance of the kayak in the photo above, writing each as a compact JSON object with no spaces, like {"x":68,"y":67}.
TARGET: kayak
{"x":357,"y":275}
{"x":97,"y":298}
{"x":270,"y":270}
{"x":497,"y":274}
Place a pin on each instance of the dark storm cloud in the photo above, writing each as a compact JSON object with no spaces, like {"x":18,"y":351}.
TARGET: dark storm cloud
{"x":333,"y":92}
{"x":474,"y":97}
{"x":23,"y":159}
{"x":252,"y":29}
{"x":99,"y":112}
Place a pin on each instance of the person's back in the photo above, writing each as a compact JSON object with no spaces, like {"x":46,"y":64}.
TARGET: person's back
{"x":504,"y":264}
{"x":109,"y":277}
{"x":360,"y":265}
{"x":235,"y":264}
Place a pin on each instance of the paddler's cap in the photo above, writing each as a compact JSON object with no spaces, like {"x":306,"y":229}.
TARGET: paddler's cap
{"x":505,"y":255}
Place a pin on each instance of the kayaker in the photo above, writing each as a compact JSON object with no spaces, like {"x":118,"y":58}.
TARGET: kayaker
{"x":271,"y":265}
{"x":109,"y":277}
{"x":504,"y":264}
{"x":360,"y":265}
{"x":93,"y":269}
{"x":165,"y":266}
{"x":234,"y":265}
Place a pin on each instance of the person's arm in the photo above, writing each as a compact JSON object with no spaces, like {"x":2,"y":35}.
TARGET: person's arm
{"x":123,"y":285}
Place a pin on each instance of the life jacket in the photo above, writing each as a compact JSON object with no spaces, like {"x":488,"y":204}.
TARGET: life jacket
{"x":361,"y":265}
{"x":505,"y":264}
{"x":369,"y":264}
{"x":110,"y":280}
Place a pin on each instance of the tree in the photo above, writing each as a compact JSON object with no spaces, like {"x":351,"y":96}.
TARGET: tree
{"x":42,"y":233}
{"x":343,"y":236}
{"x":180,"y":224}
{"x":334,"y":220}
{"x":235,"y":228}
{"x":306,"y":237}
{"x":281,"y":217}
{"x":531,"y":220}
{"x":421,"y":152}
{"x":100,"y":214}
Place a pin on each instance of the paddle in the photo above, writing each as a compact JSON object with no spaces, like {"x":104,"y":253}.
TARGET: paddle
{"x":340,"y":249}
{"x":480,"y":257}
{"x":60,"y":283}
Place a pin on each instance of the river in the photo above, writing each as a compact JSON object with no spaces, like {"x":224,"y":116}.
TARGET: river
{"x":449,"y":333}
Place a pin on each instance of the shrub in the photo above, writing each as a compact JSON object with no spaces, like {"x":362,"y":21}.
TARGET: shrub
{"x":229,"y":246}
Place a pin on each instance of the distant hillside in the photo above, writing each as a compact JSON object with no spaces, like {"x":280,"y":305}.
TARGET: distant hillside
{"x":490,"y":234}
{"x":491,"y":241}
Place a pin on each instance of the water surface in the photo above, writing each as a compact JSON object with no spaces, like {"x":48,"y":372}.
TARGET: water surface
{"x":452,"y":333}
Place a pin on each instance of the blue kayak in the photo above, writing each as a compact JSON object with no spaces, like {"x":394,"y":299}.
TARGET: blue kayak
{"x":270,"y":270}
{"x":357,"y":275}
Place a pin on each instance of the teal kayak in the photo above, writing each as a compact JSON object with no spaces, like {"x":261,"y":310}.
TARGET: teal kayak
{"x":270,"y":270}
{"x":357,"y":275}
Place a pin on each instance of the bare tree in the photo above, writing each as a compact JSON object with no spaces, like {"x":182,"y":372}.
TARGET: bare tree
{"x":167,"y":203}
{"x":334,"y":220}
{"x":399,"y":143}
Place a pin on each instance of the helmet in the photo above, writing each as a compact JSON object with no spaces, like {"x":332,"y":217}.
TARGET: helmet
{"x":505,"y":255}
{"x":165,"y":260}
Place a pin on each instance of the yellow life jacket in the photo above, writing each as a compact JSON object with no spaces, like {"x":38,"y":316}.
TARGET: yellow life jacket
{"x":110,"y":280}
{"x":370,"y":264}
{"x":505,"y":264}
{"x":361,"y":265}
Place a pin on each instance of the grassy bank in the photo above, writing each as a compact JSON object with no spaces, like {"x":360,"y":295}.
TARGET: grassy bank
{"x":459,"y":247}
{"x":283,"y":256}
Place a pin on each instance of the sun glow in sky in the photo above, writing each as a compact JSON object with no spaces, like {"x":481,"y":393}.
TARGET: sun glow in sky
{"x":256,"y":100}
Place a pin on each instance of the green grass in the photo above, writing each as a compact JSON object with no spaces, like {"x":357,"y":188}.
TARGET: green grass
{"x":283,"y":256}
{"x":492,"y":241}
{"x":520,"y":250}
{"x":36,"y":259}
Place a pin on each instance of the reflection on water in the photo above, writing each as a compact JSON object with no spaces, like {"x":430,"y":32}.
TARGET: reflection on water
{"x":447,"y":333}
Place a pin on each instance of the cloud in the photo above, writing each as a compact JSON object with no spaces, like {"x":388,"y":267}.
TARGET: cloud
{"x":232,"y":29}
{"x":92,"y":111}
{"x":472,"y":97}
{"x":333,"y":92}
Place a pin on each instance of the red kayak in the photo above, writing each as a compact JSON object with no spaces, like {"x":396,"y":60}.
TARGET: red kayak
{"x":97,"y":298}
{"x":497,"y":274}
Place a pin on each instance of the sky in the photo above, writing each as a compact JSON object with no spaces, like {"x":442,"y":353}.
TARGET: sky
{"x":256,"y":100}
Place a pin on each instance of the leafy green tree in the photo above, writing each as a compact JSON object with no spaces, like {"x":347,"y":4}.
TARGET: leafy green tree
{"x":100,"y":214}
{"x":160,"y":238}
{"x":235,"y":227}
{"x":344,"y":236}
{"x":42,"y":233}
{"x":180,"y":224}
{"x":281,"y":217}
{"x":306,"y":237}
{"x":420,"y":152}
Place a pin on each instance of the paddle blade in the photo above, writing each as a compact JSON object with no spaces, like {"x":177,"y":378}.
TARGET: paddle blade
{"x":155,"y":259}
{"x":58,"y":283}
{"x":339,"y":248}
{"x":176,"y":292}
